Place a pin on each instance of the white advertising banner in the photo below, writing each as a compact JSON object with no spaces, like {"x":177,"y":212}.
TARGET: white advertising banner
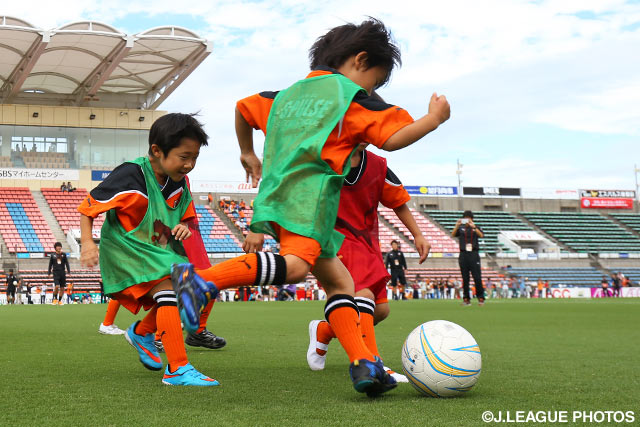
{"x":571,"y":292}
{"x":40,"y":174}
{"x":522,"y":235}
{"x":549,"y":193}
{"x":222,"y":187}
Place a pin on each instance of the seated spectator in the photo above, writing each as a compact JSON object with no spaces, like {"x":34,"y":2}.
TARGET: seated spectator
{"x":33,"y":148}
{"x":70,"y":187}
{"x":63,"y":187}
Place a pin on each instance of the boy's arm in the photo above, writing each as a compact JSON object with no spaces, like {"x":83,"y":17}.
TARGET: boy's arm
{"x":248,"y":158}
{"x":439,"y":112}
{"x":66,"y":261}
{"x":89,"y":250}
{"x":50,"y":265}
{"x":423,"y":247}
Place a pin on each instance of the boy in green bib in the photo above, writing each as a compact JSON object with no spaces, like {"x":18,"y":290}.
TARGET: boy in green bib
{"x":148,"y":206}
{"x":311,"y":129}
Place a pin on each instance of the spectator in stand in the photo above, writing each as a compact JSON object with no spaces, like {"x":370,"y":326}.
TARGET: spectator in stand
{"x":468,"y":234}
{"x":63,"y":187}
{"x":70,"y":187}
{"x":458,"y":288}
{"x":547,"y":289}
{"x":416,"y":287}
{"x":615,"y":281}
{"x":449,"y":288}
{"x":505,"y":288}
{"x":12,"y":282}
{"x":19,"y":291}
{"x":604,"y":283}
{"x":210,"y":199}
{"x":540,"y":287}
{"x":529,"y":288}
{"x":397,"y":264}
{"x":69,"y":293}
{"x":523,"y":287}
{"x":29,"y":287}
{"x":43,"y":293}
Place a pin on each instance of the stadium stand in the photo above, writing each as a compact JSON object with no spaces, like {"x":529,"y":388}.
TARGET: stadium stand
{"x":490,"y":222}
{"x":64,"y":207}
{"x":585,"y":232}
{"x":440,"y":241}
{"x":630,"y":220}
{"x":39,"y":160}
{"x":216,"y":236}
{"x":386,"y":236}
{"x":248,"y":215}
{"x":445,"y":273}
{"x":5,"y":162}
{"x":22,"y":225}
{"x":561,"y":276}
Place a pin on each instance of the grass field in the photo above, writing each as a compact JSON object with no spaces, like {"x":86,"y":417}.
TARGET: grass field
{"x":537,"y":355}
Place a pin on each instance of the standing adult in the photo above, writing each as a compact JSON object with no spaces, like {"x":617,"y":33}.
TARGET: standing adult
{"x":468,"y":234}
{"x":616,"y":283}
{"x":28,"y":293}
{"x":397,"y":264}
{"x":12,"y":282}
{"x":604,"y":283}
{"x":43,"y":293}
{"x":57,"y":263}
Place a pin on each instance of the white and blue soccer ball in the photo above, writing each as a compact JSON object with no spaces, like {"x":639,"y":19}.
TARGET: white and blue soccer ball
{"x":441,"y":359}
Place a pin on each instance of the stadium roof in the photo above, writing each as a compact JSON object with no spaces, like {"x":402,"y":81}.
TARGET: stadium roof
{"x":89,"y":63}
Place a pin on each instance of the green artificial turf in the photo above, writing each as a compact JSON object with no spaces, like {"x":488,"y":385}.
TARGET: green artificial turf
{"x":537,"y":356}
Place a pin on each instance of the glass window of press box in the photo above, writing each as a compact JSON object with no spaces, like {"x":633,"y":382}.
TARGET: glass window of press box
{"x":71,"y":148}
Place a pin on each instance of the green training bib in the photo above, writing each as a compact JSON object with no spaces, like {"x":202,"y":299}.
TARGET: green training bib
{"x":299,"y":191}
{"x":146,"y":252}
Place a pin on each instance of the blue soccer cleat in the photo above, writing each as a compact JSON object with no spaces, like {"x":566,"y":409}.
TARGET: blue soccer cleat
{"x":370,"y":377}
{"x":149,"y":356}
{"x":187,"y":375}
{"x":193,"y":294}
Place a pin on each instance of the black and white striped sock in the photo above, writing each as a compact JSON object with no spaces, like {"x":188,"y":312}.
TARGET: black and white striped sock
{"x":165,"y":298}
{"x":365,"y":305}
{"x":271,"y":269}
{"x":337,"y":301}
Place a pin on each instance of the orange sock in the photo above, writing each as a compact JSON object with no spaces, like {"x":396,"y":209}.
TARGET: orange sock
{"x":148,"y":324}
{"x":342,"y":314}
{"x":325,"y":335}
{"x":112,"y":310}
{"x":366,"y":308}
{"x":205,"y":316}
{"x":171,"y":334}
{"x":262,"y":268}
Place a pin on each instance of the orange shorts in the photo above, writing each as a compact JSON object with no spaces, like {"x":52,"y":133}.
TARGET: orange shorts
{"x":295,"y":244}
{"x":136,"y":297}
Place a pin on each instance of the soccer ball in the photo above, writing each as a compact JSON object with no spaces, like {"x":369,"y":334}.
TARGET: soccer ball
{"x":441,"y":359}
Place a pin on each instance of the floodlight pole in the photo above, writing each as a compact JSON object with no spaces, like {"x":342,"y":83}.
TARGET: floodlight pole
{"x":635,"y":171}
{"x":459,"y":173}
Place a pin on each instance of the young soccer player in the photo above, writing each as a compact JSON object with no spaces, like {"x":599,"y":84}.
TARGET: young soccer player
{"x":312,"y":128}
{"x":148,"y":206}
{"x":369,"y":183}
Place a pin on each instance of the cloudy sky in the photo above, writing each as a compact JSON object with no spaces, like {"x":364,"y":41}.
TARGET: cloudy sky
{"x":542,"y":93}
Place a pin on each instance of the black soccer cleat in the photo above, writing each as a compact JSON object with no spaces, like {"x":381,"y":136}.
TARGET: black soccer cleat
{"x":206,"y":339}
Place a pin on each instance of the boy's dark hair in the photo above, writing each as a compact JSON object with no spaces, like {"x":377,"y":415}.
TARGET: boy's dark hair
{"x":11,"y":271}
{"x":168,"y":130}
{"x":340,"y":43}
{"x":394,"y":241}
{"x":56,"y":244}
{"x":467,"y":214}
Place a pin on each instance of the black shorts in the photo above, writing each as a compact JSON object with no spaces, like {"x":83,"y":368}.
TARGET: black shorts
{"x":59,"y":281}
{"x":398,"y":274}
{"x":11,"y":294}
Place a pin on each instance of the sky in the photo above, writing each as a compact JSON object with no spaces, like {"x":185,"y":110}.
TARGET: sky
{"x":543,"y":94}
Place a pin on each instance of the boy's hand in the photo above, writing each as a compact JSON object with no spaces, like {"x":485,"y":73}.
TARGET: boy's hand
{"x":181,"y":232}
{"x":252,"y":165}
{"x":253,"y":242}
{"x":439,"y":107}
{"x":89,"y":254}
{"x":423,"y":248}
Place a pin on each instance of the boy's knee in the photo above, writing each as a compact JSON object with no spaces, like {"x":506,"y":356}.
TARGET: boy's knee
{"x":297,"y":269}
{"x":380,"y":313}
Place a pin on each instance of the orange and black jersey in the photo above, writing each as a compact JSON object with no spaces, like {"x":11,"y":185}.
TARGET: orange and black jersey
{"x":367,"y":119}
{"x":125,"y":191}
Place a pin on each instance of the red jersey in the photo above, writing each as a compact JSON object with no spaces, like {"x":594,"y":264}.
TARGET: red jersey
{"x":367,"y":185}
